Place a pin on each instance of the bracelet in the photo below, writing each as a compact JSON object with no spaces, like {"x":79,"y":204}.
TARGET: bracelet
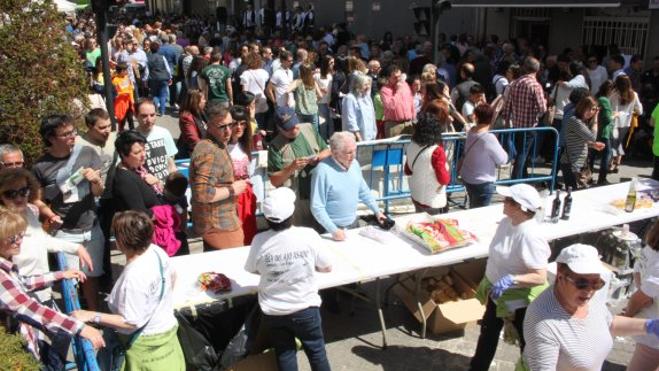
{"x":232,"y":193}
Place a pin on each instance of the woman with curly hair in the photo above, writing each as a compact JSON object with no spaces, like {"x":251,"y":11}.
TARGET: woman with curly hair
{"x":426,"y":163}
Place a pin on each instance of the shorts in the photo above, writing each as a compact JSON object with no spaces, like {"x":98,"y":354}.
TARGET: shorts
{"x":93,"y":241}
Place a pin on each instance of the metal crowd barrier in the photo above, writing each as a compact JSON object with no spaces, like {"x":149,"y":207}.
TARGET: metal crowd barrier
{"x":83,"y":351}
{"x":383,"y":161}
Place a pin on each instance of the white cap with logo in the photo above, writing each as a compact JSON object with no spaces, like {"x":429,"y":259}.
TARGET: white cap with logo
{"x":525,"y":195}
{"x":582,"y":259}
{"x":279,"y":205}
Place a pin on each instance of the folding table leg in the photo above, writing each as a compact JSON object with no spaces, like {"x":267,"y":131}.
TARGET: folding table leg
{"x":419,"y":276}
{"x":378,"y":305}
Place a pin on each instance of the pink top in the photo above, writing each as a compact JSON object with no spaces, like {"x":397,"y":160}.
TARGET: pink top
{"x":240,"y":161}
{"x":398,"y":103}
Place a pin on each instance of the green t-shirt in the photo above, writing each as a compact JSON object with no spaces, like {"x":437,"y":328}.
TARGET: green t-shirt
{"x":216,"y":77}
{"x":605,"y":118}
{"x":93,"y":55}
{"x":306,"y":102}
{"x":655,"y":143}
{"x":301,"y":148}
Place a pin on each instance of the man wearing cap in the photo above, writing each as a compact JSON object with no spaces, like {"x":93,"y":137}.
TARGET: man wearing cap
{"x":214,"y":188}
{"x":292,"y":155}
{"x":564,"y":330}
{"x":516,"y":271}
{"x":337,"y":186}
{"x":286,"y":257}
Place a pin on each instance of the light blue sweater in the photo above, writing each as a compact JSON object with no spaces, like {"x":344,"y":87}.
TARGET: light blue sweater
{"x":335,"y":193}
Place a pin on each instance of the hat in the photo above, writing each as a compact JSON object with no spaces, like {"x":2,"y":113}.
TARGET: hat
{"x":581,"y":259}
{"x":525,"y":195}
{"x":279,"y":205}
{"x":286,"y":118}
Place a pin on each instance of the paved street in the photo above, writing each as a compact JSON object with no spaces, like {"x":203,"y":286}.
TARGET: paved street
{"x":354,"y":339}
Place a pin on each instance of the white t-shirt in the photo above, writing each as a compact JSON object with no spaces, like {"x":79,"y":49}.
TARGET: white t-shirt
{"x":287,"y":262}
{"x":648,"y":267}
{"x":159,"y":148}
{"x":280,"y":80}
{"x":325,"y":84}
{"x":515,"y":249}
{"x":557,"y":341}
{"x":597,"y":77}
{"x":468,"y":110}
{"x":254,"y":81}
{"x":136,"y":294}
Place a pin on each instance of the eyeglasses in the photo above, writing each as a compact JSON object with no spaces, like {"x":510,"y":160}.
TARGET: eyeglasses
{"x":17,"y":238}
{"x":14,"y":164}
{"x":13,"y":194}
{"x":68,"y":134}
{"x":584,"y":283}
{"x":226,"y":127}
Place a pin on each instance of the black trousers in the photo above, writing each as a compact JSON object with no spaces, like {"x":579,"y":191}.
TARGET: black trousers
{"x":488,"y":340}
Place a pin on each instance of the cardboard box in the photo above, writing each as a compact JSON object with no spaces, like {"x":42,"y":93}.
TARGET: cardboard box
{"x":257,"y":362}
{"x":452,"y":315}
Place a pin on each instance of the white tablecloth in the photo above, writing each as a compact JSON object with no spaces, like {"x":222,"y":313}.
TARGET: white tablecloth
{"x":359,"y":258}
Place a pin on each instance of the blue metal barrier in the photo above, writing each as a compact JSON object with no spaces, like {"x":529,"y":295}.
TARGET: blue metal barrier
{"x":388,"y":156}
{"x":83,"y":351}
{"x":383,"y":154}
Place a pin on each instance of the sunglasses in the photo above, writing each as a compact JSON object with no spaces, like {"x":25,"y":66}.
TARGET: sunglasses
{"x":13,"y":194}
{"x":17,"y":238}
{"x":585,"y":284}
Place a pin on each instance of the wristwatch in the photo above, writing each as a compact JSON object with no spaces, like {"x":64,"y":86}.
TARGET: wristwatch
{"x":97,"y":318}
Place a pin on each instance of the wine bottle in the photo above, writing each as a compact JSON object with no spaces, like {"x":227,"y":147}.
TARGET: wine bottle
{"x":630,"y":202}
{"x":556,"y":207}
{"x":567,"y":205}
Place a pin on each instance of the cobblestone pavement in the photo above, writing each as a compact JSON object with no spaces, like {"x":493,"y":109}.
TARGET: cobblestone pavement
{"x":354,"y":339}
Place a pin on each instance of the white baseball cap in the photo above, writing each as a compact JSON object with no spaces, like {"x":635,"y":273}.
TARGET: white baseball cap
{"x":525,"y":195}
{"x":279,"y":205}
{"x":582,"y":259}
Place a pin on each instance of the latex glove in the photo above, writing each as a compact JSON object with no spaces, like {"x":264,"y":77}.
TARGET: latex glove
{"x":503,"y":284}
{"x":652,"y":327}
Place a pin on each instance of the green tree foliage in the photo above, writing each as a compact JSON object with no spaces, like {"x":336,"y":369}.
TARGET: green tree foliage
{"x":41,"y":72}
{"x":12,"y":354}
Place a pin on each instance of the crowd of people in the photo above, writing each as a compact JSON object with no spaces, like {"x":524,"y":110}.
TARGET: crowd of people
{"x":308,"y":99}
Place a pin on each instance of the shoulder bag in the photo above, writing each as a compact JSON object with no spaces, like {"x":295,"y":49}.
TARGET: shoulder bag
{"x":113,"y":356}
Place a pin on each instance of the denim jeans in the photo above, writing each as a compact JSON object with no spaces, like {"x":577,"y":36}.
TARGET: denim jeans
{"x":605,"y":158}
{"x":569,"y":178}
{"x":312,"y":119}
{"x":523,"y":144}
{"x":306,"y":326}
{"x":480,"y":194}
{"x":327,"y":126}
{"x":159,"y":91}
{"x":94,"y":243}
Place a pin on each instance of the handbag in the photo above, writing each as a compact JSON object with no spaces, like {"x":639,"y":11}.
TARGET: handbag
{"x":113,"y":356}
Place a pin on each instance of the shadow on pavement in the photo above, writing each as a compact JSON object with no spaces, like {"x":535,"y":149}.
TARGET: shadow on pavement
{"x":396,"y":358}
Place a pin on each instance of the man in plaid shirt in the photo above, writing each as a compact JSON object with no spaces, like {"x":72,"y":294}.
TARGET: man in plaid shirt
{"x":15,"y":301}
{"x":524,"y":106}
{"x":214,"y":188}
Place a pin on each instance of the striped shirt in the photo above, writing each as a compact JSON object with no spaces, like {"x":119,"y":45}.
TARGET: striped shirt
{"x":557,"y":341}
{"x":577,"y":135}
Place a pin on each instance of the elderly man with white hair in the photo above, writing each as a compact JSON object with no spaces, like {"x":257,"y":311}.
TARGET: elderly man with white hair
{"x":358,"y":113}
{"x":337,"y":185}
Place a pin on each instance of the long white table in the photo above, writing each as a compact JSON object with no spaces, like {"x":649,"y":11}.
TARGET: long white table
{"x":360,"y":259}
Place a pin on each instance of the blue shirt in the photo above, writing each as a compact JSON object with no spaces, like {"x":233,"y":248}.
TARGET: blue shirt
{"x":335,"y":193}
{"x":358,"y":115}
{"x":171,"y":55}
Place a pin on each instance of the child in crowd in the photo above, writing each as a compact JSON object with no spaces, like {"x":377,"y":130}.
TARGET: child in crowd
{"x":174,"y":194}
{"x":124,"y":99}
{"x":476,"y":97}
